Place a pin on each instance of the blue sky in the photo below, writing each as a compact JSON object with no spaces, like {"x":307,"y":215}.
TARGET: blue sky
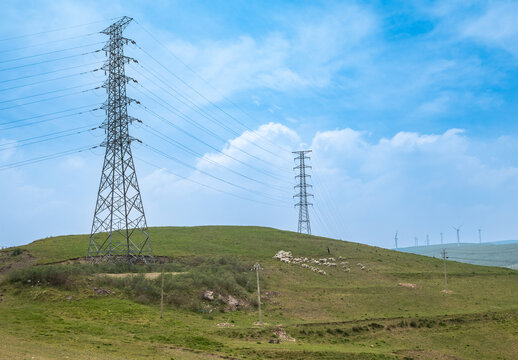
{"x":409,"y":108}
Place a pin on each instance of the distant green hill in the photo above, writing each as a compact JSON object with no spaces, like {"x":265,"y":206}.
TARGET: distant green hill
{"x":381,"y":304}
{"x":503,"y":254}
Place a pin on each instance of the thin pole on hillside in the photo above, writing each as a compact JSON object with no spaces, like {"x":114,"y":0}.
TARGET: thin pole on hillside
{"x":162,"y":295}
{"x":444,"y":257}
{"x":258,"y":267}
{"x":457,"y":229}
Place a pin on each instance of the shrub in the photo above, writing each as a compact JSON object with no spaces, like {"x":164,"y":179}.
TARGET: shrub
{"x":223,"y":275}
{"x":16,"y":252}
{"x":57,"y":275}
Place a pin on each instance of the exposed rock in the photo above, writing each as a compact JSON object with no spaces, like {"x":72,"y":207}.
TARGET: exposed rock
{"x":102,"y":291}
{"x":208,"y":295}
{"x":409,"y":285}
{"x":232,"y":301}
{"x":225,"y":324}
{"x":69,"y":297}
{"x":281,"y":334}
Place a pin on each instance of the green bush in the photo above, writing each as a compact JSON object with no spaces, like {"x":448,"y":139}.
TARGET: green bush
{"x":16,"y":252}
{"x":57,"y":275}
{"x":223,"y":275}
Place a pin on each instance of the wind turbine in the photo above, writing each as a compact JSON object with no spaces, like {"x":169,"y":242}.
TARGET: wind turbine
{"x":458,"y":233}
{"x":427,"y":240}
{"x":441,"y":237}
{"x":480,"y":236}
{"x":395,"y":239}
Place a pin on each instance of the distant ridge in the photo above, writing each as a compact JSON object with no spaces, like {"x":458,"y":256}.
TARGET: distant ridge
{"x":498,"y":253}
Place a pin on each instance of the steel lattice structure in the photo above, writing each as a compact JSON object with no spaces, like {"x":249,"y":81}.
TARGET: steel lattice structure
{"x":119,"y":228}
{"x":304,"y":223}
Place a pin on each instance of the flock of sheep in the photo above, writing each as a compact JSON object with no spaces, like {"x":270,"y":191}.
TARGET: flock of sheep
{"x":306,"y":263}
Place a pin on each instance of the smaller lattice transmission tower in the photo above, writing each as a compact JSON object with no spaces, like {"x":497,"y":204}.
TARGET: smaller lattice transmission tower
{"x":302,"y":195}
{"x":119,"y":228}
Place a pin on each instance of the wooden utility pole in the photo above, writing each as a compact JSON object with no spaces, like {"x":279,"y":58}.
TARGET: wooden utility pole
{"x":162,"y":296}
{"x":445,"y":278}
{"x":258,"y":267}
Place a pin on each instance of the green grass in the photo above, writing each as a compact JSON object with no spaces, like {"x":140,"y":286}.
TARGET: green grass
{"x":361,"y":314}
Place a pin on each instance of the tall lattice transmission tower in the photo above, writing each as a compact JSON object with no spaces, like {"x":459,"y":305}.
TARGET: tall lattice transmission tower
{"x":302,"y":185}
{"x":119,"y":228}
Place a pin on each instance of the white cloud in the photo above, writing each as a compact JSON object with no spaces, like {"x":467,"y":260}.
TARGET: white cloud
{"x":267,"y":136}
{"x":306,"y":53}
{"x":413,"y":182}
{"x":496,"y":27}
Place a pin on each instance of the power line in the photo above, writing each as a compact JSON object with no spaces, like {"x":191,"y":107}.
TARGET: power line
{"x":195,"y":153}
{"x":50,"y":119}
{"x":212,"y":86}
{"x":54,"y":30}
{"x":187,"y":118}
{"x":48,"y":42}
{"x":50,"y":60}
{"x":45,"y":158}
{"x":196,"y":108}
{"x":203,"y":172}
{"x":48,"y":53}
{"x":49,"y":72}
{"x":191,"y":121}
{"x":205,"y":185}
{"x":193,"y":105}
{"x":48,"y":92}
{"x":49,"y":137}
{"x":201,"y":95}
{"x":50,"y":98}
{"x":49,"y":80}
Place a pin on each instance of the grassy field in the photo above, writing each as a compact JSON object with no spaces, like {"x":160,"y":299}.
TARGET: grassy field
{"x":488,"y":254}
{"x":356,"y":314}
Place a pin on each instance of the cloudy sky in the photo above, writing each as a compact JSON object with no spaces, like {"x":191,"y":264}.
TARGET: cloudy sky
{"x":409,"y":108}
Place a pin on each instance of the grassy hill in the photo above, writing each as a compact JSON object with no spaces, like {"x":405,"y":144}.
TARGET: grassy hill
{"x":392,"y":309}
{"x":503,"y":254}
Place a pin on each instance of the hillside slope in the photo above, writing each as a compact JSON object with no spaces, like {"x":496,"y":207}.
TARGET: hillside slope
{"x":503,"y":254}
{"x":381,"y":304}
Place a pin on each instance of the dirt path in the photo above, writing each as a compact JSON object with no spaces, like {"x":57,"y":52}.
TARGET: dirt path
{"x":149,"y":276}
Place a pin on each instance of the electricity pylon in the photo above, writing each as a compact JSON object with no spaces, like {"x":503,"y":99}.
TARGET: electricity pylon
{"x":304,"y":224}
{"x":119,"y":229}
